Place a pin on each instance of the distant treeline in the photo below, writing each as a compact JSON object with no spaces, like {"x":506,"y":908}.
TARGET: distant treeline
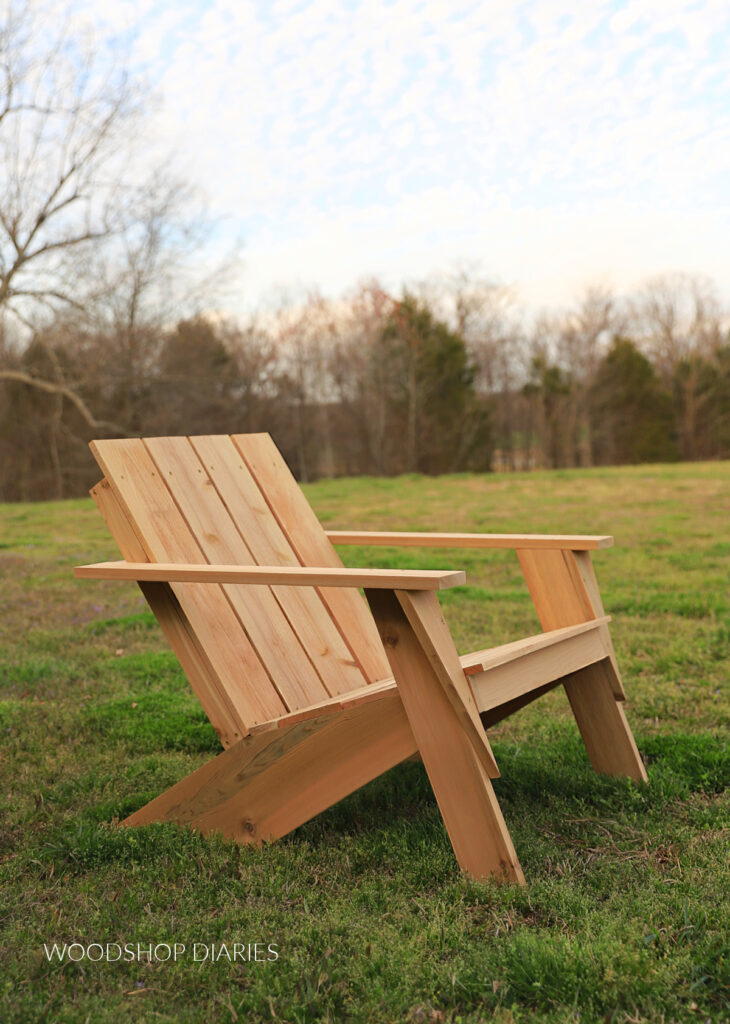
{"x":445,"y":378}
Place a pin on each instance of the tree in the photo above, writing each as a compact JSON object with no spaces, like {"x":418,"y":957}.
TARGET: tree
{"x":680,"y":322}
{"x":94,"y":239}
{"x":257,"y":378}
{"x":43,"y":426}
{"x":430,"y":383}
{"x":194,"y":381}
{"x":548,"y":389}
{"x":582,"y":333}
{"x":709,"y":392}
{"x":304,"y":333}
{"x":486,"y":316}
{"x":359,"y":378}
{"x":632,"y":419}
{"x":65,"y":135}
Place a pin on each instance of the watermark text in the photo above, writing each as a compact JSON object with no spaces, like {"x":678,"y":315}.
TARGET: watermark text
{"x":162,"y":952}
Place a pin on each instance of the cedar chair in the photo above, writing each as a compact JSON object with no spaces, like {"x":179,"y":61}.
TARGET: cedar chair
{"x":312,"y":692}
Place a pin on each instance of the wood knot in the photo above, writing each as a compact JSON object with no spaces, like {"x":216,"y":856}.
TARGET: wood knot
{"x":390,"y":638}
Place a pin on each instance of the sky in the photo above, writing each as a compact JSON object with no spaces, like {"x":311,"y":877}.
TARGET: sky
{"x":552,"y":144}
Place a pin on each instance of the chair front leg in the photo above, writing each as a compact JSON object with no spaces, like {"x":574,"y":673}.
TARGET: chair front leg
{"x":421,"y":657}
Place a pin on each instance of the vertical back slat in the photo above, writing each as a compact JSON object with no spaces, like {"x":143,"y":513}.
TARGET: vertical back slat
{"x":268,"y":544}
{"x":159,"y":525}
{"x":209,"y":521}
{"x":312,"y":547}
{"x":195,"y":663}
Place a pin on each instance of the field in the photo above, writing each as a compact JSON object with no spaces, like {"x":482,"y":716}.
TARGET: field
{"x":625,"y":917}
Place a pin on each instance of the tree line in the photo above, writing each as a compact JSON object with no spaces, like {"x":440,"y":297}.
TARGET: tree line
{"x":104,"y":330}
{"x":447,"y":377}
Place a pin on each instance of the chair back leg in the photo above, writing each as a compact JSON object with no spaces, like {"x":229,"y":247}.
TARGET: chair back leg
{"x":564,"y":592}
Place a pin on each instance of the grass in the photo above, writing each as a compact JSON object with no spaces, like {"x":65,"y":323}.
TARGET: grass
{"x":625,"y":916}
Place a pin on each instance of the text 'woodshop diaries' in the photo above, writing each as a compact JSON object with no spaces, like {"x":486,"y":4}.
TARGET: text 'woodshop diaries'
{"x":161,"y":952}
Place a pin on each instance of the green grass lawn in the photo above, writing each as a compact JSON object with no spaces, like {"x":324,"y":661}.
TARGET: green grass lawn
{"x":625,"y":915}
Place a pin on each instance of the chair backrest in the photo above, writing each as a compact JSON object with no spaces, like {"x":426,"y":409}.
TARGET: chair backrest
{"x":232,"y":500}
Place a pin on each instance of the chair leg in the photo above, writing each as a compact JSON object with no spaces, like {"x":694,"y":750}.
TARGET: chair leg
{"x":268,"y":784}
{"x":602,"y":723}
{"x":463,"y":790}
{"x":564,"y":591}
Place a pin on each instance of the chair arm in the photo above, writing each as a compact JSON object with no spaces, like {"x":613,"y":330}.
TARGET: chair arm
{"x":514,"y":541}
{"x":298,"y":576}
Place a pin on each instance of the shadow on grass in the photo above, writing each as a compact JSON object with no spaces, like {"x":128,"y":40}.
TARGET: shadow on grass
{"x":542,"y":786}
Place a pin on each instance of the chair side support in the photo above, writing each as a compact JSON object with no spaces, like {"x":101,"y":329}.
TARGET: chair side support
{"x":269,"y":783}
{"x":564,"y":590}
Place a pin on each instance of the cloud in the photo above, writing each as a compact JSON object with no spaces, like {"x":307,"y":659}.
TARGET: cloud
{"x":548,"y":253}
{"x":313,"y":123}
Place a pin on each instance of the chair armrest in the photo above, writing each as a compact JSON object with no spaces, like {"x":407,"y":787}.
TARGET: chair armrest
{"x":299,"y":576}
{"x":470,"y":540}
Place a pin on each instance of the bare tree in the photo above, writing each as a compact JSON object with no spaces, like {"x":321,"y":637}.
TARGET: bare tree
{"x":582,"y":335}
{"x":678,"y":316}
{"x":680,"y":323}
{"x":145,"y":279}
{"x":64,"y":153}
{"x":305,"y":332}
{"x":91,"y":234}
{"x":257,"y":377}
{"x":359,"y":377}
{"x":487,"y":316}
{"x":63,"y":125}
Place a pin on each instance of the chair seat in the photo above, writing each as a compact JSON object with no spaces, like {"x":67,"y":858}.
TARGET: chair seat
{"x":575,"y":647}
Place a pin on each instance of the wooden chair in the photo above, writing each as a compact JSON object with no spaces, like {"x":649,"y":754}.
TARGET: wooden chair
{"x":312,"y":693}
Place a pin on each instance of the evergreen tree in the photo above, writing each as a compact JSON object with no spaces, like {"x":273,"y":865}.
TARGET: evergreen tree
{"x":438,"y":421}
{"x":632,"y":417}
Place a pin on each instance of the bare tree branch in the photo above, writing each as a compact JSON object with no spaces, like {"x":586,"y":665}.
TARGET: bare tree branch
{"x":52,"y":388}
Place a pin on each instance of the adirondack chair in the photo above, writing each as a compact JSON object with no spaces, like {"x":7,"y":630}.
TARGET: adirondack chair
{"x":312,"y":692}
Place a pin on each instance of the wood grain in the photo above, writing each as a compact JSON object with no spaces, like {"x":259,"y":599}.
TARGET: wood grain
{"x":504,"y":682}
{"x":260,"y":575}
{"x":310,"y":618}
{"x":158,"y":523}
{"x":558,"y":588}
{"x":433,"y":636}
{"x":272,"y":782}
{"x":270,"y":632}
{"x":463,"y":790}
{"x":309,"y":542}
{"x":523,"y":541}
{"x":207,"y":685}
